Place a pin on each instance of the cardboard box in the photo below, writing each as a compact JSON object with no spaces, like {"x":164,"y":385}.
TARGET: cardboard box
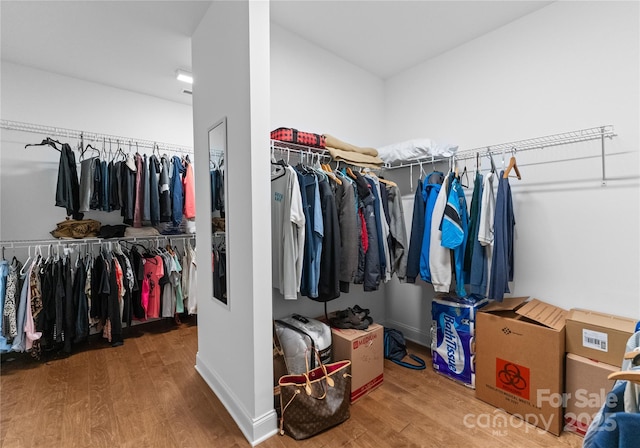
{"x":365,"y":350}
{"x":598,"y":336}
{"x":453,"y":337}
{"x":520,"y":360}
{"x":586,"y":388}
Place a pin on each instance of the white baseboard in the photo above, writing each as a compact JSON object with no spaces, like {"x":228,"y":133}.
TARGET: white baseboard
{"x":256,"y":430}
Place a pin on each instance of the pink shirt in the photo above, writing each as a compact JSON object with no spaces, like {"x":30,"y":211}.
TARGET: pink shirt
{"x":154,"y":271}
{"x":188,"y":185}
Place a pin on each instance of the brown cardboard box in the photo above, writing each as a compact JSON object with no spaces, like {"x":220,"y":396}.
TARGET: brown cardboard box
{"x":520,"y":360}
{"x":598,"y":336}
{"x":365,"y":350}
{"x":586,"y":388}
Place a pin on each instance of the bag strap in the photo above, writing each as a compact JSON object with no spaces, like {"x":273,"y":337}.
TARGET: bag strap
{"x":421,"y":365}
{"x":292,"y":327}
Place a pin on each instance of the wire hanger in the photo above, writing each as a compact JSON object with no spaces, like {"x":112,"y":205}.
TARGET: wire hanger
{"x":493,"y":164}
{"x":463,"y":176}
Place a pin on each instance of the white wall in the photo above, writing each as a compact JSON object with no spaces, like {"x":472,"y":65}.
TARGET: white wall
{"x":568,"y":66}
{"x":28,"y":176}
{"x":316,"y":91}
{"x":230,"y":52}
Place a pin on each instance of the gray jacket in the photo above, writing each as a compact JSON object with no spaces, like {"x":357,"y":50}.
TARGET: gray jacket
{"x":349,"y":231}
{"x":398,"y":233}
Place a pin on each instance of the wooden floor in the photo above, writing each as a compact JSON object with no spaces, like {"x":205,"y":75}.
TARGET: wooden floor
{"x":148,"y":394}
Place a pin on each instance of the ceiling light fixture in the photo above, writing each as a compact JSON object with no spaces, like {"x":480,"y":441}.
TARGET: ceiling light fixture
{"x":184,"y":76}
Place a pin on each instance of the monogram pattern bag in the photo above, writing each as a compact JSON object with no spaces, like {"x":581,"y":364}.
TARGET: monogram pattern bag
{"x":316,"y":400}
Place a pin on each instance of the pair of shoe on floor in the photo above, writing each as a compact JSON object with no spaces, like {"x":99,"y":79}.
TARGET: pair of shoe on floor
{"x":355,"y":318}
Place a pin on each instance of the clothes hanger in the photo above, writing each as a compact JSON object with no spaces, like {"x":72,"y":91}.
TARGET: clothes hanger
{"x":46,"y":142}
{"x":387,"y":181}
{"x":626,"y":375}
{"x":512,"y":165}
{"x":26,"y":263}
{"x":326,"y":168}
{"x":464,"y":175}
{"x":493,"y":164}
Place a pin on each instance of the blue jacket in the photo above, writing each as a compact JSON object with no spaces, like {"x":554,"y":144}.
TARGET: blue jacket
{"x":177,"y":193}
{"x":429,"y":196}
{"x":502,"y":261}
{"x":613,"y":427}
{"x":455,"y":231}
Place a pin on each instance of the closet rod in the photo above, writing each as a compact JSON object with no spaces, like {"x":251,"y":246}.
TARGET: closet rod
{"x":300,"y":149}
{"x":564,"y":138}
{"x":91,"y":136}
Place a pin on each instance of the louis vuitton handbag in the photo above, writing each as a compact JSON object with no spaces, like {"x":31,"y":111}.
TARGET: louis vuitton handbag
{"x":316,"y":400}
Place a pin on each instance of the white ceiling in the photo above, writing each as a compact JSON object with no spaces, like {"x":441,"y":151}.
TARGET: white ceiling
{"x":137,"y":45}
{"x":388,"y":37}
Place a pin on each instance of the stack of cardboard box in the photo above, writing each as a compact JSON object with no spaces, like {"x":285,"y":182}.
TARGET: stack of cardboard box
{"x":595,"y":344}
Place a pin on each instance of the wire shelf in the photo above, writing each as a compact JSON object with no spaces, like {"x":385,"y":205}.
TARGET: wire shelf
{"x":548,"y":141}
{"x":91,"y":136}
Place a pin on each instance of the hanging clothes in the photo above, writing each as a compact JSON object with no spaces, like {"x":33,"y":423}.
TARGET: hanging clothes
{"x":485,"y":225}
{"x":329,"y":276}
{"x":383,"y":249}
{"x":398,"y":232}
{"x":11,"y":300}
{"x":154,"y":190}
{"x":177,"y":193}
{"x":369,"y":269}
{"x":87,"y":176}
{"x":154,"y":272}
{"x":439,"y":256}
{"x":164,"y":189}
{"x":188,"y":186}
{"x":417,"y":235}
{"x":287,"y":231}
{"x":105,"y":194}
{"x":220,"y":274}
{"x":146,"y":186}
{"x":430,"y":193}
{"x":138,"y":208}
{"x":502,"y":260}
{"x":478,"y":278}
{"x":349,"y":221}
{"x":313,"y":232}
{"x":128,"y":179}
{"x":80,"y":298}
{"x":455,"y":231}
{"x":68,"y":187}
{"x":4,"y":274}
{"x":190,"y":279}
{"x":114,"y":185}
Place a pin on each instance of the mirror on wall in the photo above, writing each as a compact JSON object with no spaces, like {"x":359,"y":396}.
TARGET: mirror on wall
{"x":219,"y":247}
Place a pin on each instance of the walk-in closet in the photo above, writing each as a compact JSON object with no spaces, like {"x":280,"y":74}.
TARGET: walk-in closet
{"x":535,"y":102}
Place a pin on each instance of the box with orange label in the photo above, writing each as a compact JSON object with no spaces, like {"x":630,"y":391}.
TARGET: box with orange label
{"x":520,"y":361}
{"x":365,"y":350}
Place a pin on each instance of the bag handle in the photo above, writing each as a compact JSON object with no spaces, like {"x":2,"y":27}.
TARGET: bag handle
{"x":328,"y":379}
{"x":419,"y":366}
